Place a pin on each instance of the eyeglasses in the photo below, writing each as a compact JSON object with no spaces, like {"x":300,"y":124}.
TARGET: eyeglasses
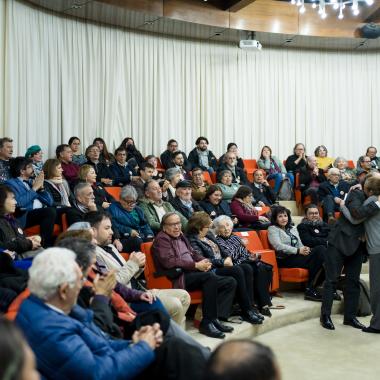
{"x":130,"y":202}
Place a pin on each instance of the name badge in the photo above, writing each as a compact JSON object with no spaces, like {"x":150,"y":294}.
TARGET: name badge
{"x":316,"y":231}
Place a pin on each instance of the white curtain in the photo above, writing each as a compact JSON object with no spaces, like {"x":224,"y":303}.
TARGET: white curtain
{"x":65,"y":77}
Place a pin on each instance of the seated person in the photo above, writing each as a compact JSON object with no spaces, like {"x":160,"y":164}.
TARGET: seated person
{"x":346,"y":174}
{"x":178,"y":159}
{"x":297,"y":160}
{"x":166,"y":157}
{"x":172,"y":177}
{"x":183,"y":203}
{"x":274,"y":168}
{"x":102,"y":198}
{"x":371,"y":153}
{"x":261,"y":190}
{"x":323,"y":161}
{"x":105,"y":157}
{"x":205,"y":243}
{"x":331,"y":193}
{"x":233,"y":148}
{"x":213,"y":203}
{"x":12,"y":237}
{"x":120,"y":170}
{"x":291,"y":253}
{"x":310,"y":179}
{"x":17,"y":359}
{"x":103,"y":172}
{"x":201,"y":157}
{"x":146,"y":171}
{"x":7,"y":296}
{"x":236,"y":249}
{"x":226,"y":185}
{"x":365,"y":165}
{"x":64,"y":154}
{"x":128,"y":218}
{"x":176,"y":302}
{"x":35,"y":154}
{"x":132,"y":152}
{"x":251,"y":360}
{"x":247,"y":215}
{"x":56,"y":185}
{"x":171,"y":250}
{"x":198,"y":184}
{"x":6,"y":152}
{"x":64,"y":337}
{"x":313,"y":230}
{"x":34,"y":204}
{"x":158,"y":174}
{"x":155,"y":208}
{"x":74,"y":144}
{"x":230,"y":163}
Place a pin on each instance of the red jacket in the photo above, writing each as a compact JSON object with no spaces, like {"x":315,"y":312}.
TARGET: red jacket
{"x":245,"y":217}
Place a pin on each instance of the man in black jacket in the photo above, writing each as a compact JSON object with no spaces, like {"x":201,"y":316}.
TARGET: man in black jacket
{"x":261,"y":190}
{"x":166,"y":157}
{"x":346,"y":247}
{"x":230,"y":163}
{"x":201,"y":157}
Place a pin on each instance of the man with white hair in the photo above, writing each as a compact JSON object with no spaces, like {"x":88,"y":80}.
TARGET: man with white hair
{"x":68,"y":345}
{"x":331,"y":193}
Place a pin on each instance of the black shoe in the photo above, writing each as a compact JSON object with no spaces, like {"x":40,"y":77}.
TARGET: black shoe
{"x":326,"y":322}
{"x":370,"y":329}
{"x":208,"y":328}
{"x":266,"y":311}
{"x":353,"y":322}
{"x":257,"y":312}
{"x":221,"y":327}
{"x":337,"y":296}
{"x":312,"y":295}
{"x":251,"y":317}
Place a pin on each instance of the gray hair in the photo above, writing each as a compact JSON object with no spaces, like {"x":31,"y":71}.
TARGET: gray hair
{"x":333,"y":171}
{"x":79,"y":187}
{"x":218,"y":221}
{"x":50,"y":269}
{"x":128,"y":191}
{"x":310,"y":158}
{"x":222,"y":173}
{"x":171,"y":172}
{"x":339,"y":159}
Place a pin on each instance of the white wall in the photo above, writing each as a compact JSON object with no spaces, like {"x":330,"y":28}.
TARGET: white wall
{"x":65,"y":77}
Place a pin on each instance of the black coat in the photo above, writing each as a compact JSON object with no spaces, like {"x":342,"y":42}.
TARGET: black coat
{"x":313,"y":235}
{"x":344,"y":236}
{"x":194,"y":160}
{"x":326,"y":188}
{"x":101,"y":170}
{"x":206,"y":251}
{"x":265,"y":195}
{"x":306,"y":178}
{"x":12,"y":237}
{"x":223,"y":208}
{"x":178,"y":206}
{"x":121,"y":174}
{"x":291,"y":166}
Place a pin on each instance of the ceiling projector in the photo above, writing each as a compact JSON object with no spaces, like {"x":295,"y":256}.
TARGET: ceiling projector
{"x":250,"y":44}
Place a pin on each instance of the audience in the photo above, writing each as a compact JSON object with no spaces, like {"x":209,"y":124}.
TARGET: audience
{"x":297,"y":160}
{"x":198,"y":184}
{"x":371,"y":153}
{"x":120,"y":170}
{"x":230,"y":163}
{"x":261,"y":190}
{"x":274,"y":168}
{"x":6,"y":152}
{"x":172,"y":176}
{"x":310,"y":179}
{"x":172,"y":250}
{"x":346,"y":174}
{"x":365,"y":166}
{"x":74,"y":144}
{"x":323,"y":161}
{"x":243,"y":360}
{"x":34,"y":204}
{"x":201,"y":157}
{"x":245,"y":212}
{"x":225,"y":184}
{"x":166,"y":157}
{"x":183,"y":202}
{"x":236,"y":249}
{"x":132,"y":152}
{"x":146,"y":171}
{"x":291,"y":253}
{"x":105,"y":157}
{"x":157,"y":174}
{"x":205,"y":243}
{"x":35,"y":154}
{"x":178,"y":159}
{"x":102,"y":170}
{"x":155,"y":208}
{"x":70,"y":169}
{"x":233,"y":148}
{"x":17,"y":359}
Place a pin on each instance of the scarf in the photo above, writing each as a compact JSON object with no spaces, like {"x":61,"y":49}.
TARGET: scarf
{"x":248,"y":208}
{"x":59,"y":185}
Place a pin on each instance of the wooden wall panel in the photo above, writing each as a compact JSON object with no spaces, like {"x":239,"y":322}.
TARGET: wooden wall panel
{"x":146,"y":6}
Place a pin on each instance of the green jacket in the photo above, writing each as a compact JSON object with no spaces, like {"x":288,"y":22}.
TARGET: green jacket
{"x":152,"y":216}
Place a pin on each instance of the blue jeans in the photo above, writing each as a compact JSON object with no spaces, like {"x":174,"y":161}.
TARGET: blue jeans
{"x":140,"y":306}
{"x":278,"y":180}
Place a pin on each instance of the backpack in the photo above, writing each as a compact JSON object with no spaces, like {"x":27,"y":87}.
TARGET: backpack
{"x":286,"y":191}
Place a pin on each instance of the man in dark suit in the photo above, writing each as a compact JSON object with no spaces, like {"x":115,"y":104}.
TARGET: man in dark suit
{"x":331,"y":193}
{"x":346,"y":248}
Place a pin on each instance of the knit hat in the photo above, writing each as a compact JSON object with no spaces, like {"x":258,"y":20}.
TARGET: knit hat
{"x":32,"y":150}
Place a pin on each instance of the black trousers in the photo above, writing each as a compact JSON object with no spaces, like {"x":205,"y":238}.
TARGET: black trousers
{"x":334,"y":263}
{"x":329,"y":206}
{"x":45,"y":218}
{"x":218,"y":293}
{"x":131,"y":244}
{"x":175,"y":360}
{"x":243,"y":274}
{"x":313,"y":262}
